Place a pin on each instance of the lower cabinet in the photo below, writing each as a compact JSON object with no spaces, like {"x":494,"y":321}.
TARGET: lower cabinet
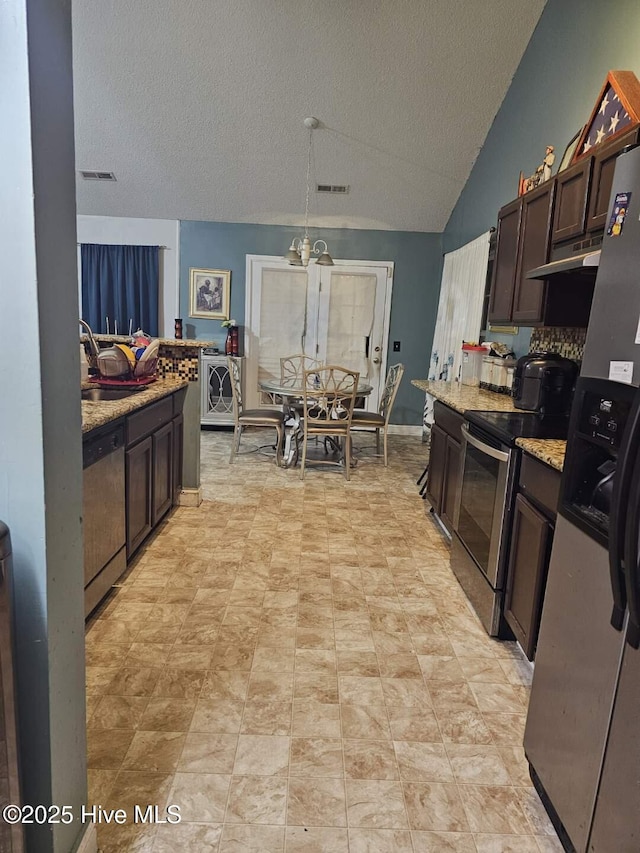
{"x":153,"y":466}
{"x":139,"y":492}
{"x":531,"y":539}
{"x":444,"y":463}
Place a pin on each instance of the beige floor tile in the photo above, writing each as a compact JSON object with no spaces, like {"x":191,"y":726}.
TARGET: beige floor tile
{"x":203,"y":837}
{"x":370,"y":759}
{"x":217,"y":716}
{"x":173,"y":715}
{"x":154,"y":751}
{"x":477,"y":764}
{"x":375,"y":804}
{"x":266,"y":718}
{"x":179,"y":684}
{"x":262,"y":755}
{"x":316,"y":839}
{"x":316,"y":802}
{"x":497,"y":698}
{"x":207,"y":753}
{"x":365,"y":721}
{"x":379,"y":841}
{"x":315,"y":719}
{"x":434,"y":806}
{"x":251,"y":839}
{"x":443,"y":842}
{"x":202,"y":797}
{"x":494,"y":809}
{"x":423,"y":762}
{"x":270,"y":687}
{"x":118,"y":712}
{"x":505,"y":844}
{"x":316,"y":757}
{"x":506,"y":729}
{"x":413,"y":723}
{"x":141,"y":788}
{"x":257,"y":800}
{"x":360,"y":690}
{"x":107,"y":748}
{"x":225,"y":684}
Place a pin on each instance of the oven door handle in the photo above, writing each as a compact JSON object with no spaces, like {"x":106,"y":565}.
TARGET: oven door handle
{"x":500,"y":455}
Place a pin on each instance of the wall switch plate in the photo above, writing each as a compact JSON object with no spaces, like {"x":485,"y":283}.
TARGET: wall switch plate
{"x":396,"y":346}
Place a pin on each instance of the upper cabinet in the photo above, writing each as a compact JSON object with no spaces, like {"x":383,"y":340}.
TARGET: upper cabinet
{"x":571,"y":202}
{"x":602,"y":180}
{"x":504,"y":267}
{"x":534,"y":246}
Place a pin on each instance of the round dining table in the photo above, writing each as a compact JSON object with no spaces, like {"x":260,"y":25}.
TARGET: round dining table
{"x":292,"y":393}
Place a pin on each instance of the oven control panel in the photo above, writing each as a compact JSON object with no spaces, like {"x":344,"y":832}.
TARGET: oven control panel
{"x":604,"y":418}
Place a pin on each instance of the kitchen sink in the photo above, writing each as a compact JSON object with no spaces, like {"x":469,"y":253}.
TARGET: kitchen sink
{"x":97,"y":395}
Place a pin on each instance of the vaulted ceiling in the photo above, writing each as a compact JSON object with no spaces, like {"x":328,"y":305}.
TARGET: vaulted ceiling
{"x":197,"y":106}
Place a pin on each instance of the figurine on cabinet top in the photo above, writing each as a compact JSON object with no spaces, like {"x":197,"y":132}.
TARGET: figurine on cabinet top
{"x":541,"y":174}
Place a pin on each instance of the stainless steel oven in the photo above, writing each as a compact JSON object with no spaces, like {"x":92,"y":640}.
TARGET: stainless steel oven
{"x":482,"y":521}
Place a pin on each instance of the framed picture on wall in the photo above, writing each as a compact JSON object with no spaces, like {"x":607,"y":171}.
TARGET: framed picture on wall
{"x":209,"y":294}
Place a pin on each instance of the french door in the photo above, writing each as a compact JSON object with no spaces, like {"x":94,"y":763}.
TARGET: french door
{"x":338,"y":314}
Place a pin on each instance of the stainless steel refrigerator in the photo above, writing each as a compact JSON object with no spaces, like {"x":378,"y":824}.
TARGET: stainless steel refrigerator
{"x":582,"y":737}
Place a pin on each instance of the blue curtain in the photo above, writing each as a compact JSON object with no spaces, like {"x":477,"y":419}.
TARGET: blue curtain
{"x":121,"y":283}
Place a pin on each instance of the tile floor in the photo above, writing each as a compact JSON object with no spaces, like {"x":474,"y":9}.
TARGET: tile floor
{"x":295,"y":666}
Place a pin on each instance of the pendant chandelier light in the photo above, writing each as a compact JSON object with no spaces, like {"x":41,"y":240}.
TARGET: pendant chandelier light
{"x":300,"y":250}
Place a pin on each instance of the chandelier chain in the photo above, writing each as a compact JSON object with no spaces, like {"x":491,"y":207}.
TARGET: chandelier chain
{"x":306,"y":204}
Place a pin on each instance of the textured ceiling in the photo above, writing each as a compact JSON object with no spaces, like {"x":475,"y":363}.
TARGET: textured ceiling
{"x":197,"y":106}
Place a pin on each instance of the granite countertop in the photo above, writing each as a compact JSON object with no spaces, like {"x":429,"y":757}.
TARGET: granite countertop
{"x":170,"y":342}
{"x":464,"y":398}
{"x":98,"y":414}
{"x":549,"y":450}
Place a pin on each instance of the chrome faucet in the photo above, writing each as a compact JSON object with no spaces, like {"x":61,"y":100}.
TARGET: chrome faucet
{"x":93,"y":346}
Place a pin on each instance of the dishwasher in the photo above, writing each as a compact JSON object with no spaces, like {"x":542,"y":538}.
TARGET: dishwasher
{"x":103,"y":513}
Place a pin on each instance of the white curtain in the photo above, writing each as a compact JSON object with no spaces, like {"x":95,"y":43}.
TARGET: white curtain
{"x":462,"y":288}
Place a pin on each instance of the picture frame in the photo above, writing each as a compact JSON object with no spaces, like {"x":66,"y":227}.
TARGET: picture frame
{"x":570,"y":150}
{"x":209,"y":292}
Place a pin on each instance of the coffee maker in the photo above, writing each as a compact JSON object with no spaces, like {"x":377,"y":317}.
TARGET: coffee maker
{"x":544,"y":382}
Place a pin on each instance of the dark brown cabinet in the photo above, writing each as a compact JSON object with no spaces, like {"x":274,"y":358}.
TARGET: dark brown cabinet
{"x":452,"y":452}
{"x":138,"y":486}
{"x":162,"y":490}
{"x":531,"y":540}
{"x":529,"y":298}
{"x":572,"y":196}
{"x":153,"y":466}
{"x":444,"y":463}
{"x":602,"y":180}
{"x":505,"y":264}
{"x":435,"y":474}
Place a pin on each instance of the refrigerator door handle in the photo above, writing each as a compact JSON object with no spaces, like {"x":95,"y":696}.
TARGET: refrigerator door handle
{"x":623,"y":496}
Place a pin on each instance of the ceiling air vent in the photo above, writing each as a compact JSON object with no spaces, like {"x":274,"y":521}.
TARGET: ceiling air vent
{"x":338,"y":189}
{"x":89,"y":175}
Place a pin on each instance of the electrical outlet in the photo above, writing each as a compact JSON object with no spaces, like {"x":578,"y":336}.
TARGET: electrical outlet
{"x":396,"y":346}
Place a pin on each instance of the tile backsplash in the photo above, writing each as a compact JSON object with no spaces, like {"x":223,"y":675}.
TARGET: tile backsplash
{"x":568,"y":342}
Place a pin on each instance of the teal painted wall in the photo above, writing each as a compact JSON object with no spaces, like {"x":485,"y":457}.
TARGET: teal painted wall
{"x":416,"y":284}
{"x":552,"y":94}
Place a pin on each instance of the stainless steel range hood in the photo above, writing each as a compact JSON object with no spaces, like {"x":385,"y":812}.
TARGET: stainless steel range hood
{"x":585,"y":264}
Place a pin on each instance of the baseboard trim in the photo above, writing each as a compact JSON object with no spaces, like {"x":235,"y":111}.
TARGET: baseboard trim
{"x":405,"y":429}
{"x":190,"y":497}
{"x":89,"y":843}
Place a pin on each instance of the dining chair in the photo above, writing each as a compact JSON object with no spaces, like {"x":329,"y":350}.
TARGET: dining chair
{"x":329,"y":394}
{"x":376,"y":421}
{"x":292,"y":368}
{"x":269,"y":418}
